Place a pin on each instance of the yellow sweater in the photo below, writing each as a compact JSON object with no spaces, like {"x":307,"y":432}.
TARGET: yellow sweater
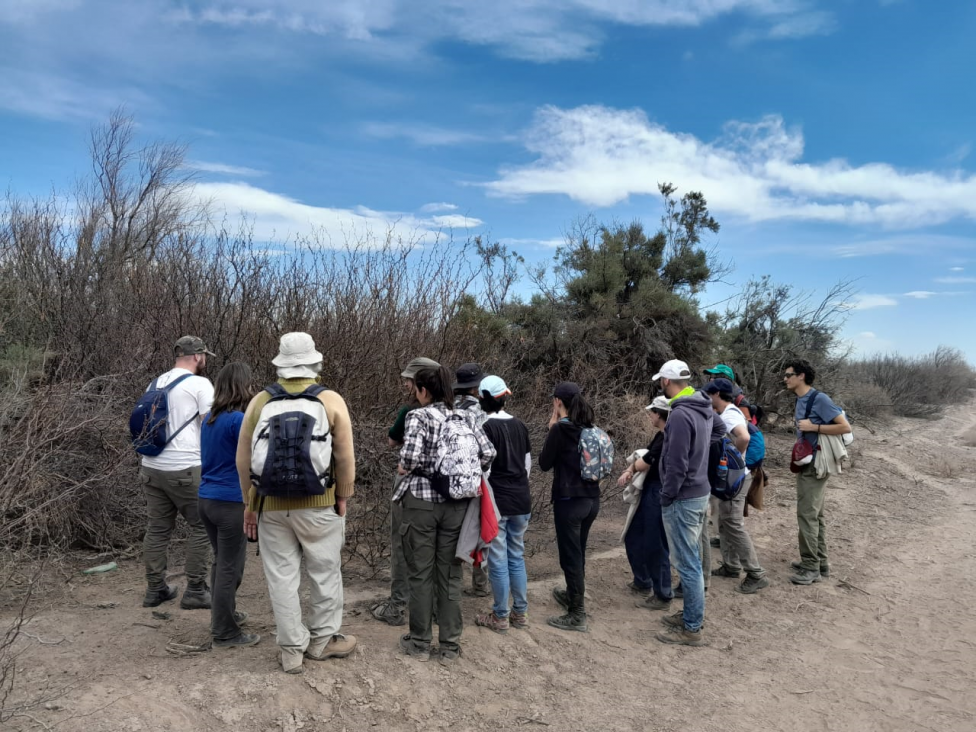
{"x":343,"y":455}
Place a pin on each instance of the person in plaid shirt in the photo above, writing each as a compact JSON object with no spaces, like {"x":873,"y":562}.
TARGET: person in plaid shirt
{"x":432,"y":524}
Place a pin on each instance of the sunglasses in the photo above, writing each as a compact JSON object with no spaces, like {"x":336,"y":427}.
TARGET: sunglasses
{"x":789,"y":375}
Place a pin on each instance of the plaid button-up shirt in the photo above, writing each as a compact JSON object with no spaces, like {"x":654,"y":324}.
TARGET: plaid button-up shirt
{"x":419,"y":447}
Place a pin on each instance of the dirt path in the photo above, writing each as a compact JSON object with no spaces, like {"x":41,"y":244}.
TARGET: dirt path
{"x":885,"y":644}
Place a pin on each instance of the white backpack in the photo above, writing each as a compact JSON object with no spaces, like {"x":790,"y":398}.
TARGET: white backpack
{"x":291,"y":450}
{"x":457,"y":465}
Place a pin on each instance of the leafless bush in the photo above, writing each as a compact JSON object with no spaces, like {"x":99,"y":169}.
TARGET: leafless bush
{"x":863,"y":401}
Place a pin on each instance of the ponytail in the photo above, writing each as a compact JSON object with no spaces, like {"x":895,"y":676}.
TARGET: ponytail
{"x":438,"y":383}
{"x":579,"y":411}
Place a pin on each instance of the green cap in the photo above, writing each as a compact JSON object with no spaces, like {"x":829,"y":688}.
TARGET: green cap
{"x":721,"y":368}
{"x":190,"y":346}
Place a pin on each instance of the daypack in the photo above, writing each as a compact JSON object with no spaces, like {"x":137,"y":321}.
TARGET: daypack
{"x":149,"y":421}
{"x":727,"y":486}
{"x":596,"y":454}
{"x":291,"y":451}
{"x":457,"y":463}
{"x":757,"y":445}
{"x":755,"y":411}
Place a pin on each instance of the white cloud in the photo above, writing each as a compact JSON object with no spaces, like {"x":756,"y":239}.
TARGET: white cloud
{"x":956,"y":280}
{"x":273,"y":216}
{"x":423,"y":135}
{"x":437,"y":207}
{"x":52,"y":96}
{"x":542,"y":243}
{"x":868,"y":342}
{"x":600,"y":156}
{"x":957,"y":156}
{"x":957,"y":269}
{"x":869,"y":302}
{"x":922,"y":244}
{"x":921,"y":294}
{"x":221,"y":169}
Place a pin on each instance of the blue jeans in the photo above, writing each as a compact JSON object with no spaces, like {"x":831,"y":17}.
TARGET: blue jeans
{"x":506,"y":565}
{"x":647,"y":545}
{"x":684,"y":522}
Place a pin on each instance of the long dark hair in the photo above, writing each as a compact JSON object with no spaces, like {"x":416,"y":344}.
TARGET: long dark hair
{"x":439,"y":383}
{"x":232,"y":390}
{"x":492,"y":404}
{"x":579,"y":411}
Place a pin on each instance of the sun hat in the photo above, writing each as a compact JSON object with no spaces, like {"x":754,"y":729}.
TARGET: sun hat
{"x":190,"y":346}
{"x":660,"y":402}
{"x":468,"y":376}
{"x":296,"y":349}
{"x":494,"y":385}
{"x":417,"y":365}
{"x":673,"y":369}
{"x":721,"y":368}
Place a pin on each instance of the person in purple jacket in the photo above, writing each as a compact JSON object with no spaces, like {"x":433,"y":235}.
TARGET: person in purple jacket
{"x":684,"y":496}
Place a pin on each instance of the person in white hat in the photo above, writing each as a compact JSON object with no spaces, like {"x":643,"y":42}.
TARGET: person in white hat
{"x":294,"y":508}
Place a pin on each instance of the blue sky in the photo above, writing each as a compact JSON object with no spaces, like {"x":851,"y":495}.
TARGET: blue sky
{"x":832,"y":139}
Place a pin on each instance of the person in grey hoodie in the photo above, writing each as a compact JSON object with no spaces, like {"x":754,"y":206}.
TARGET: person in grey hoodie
{"x":684,"y":496}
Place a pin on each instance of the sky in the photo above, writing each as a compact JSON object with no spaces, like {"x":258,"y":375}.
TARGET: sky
{"x":833,"y":140}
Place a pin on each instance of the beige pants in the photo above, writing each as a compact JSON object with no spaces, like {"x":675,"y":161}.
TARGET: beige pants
{"x":284,"y":537}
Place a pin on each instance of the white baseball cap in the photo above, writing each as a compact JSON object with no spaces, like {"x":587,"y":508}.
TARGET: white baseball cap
{"x":673,"y":369}
{"x":494,"y":385}
{"x":660,"y":402}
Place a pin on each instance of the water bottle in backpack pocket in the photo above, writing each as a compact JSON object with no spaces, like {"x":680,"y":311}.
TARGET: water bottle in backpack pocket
{"x":596,"y":454}
{"x":457,"y":463}
{"x":726,"y":469}
{"x":149,"y":426}
{"x":291,"y":450}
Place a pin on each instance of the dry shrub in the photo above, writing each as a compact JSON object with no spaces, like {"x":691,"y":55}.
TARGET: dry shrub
{"x":863,"y":401}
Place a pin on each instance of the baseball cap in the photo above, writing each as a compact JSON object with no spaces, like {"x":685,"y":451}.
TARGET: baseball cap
{"x":566,"y":390}
{"x":673,"y":369}
{"x":716,"y":385}
{"x":190,"y":346}
{"x":660,"y":402}
{"x":494,"y":385}
{"x":417,"y":365}
{"x":721,"y":368}
{"x":468,"y":376}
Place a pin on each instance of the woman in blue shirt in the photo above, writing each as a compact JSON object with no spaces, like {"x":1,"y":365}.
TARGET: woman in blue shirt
{"x":222,"y":503}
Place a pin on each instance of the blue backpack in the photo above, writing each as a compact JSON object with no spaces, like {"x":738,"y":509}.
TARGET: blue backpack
{"x":726,"y":483}
{"x":596,"y":454}
{"x":757,"y":445}
{"x":149,"y":421}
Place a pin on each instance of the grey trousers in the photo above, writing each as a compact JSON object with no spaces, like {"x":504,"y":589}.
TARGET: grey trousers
{"x":224,"y":522}
{"x":168,"y":493}
{"x":738,"y":551}
{"x":430,"y":536}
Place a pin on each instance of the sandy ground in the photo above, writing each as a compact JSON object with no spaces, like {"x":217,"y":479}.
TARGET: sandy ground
{"x":885,"y":644}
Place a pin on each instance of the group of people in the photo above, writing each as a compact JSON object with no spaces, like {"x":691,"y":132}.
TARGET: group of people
{"x":278,"y":468}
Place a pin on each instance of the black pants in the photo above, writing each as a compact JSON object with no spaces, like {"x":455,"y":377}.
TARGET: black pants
{"x":647,"y":544}
{"x":224,"y":522}
{"x":573,"y":518}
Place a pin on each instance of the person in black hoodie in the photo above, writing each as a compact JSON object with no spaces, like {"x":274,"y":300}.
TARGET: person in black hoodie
{"x":575,"y":502}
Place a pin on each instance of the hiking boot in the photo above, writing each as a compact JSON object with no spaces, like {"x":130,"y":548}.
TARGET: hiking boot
{"x":715,"y":542}
{"x":477,"y":591}
{"x":561,"y":598}
{"x":518,"y":620}
{"x":492,"y":622}
{"x":824,"y":568}
{"x":448,"y":656}
{"x":291,"y":661}
{"x":805,"y":576}
{"x":240,"y":617}
{"x":156,"y":596}
{"x":239,"y":641}
{"x":638,"y":590}
{"x":338,"y":646}
{"x":752,"y":585}
{"x":725,"y":571}
{"x":389,"y":612}
{"x":681,"y":636}
{"x":410,"y":648}
{"x":653,"y":602}
{"x":675,"y":620}
{"x":196,"y":598}
{"x":572,"y":620}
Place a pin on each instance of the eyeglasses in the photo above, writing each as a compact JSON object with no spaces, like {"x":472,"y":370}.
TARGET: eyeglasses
{"x":789,"y":375}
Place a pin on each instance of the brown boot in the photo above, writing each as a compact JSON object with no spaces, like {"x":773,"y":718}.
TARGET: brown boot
{"x":681,"y":637}
{"x":492,"y":622}
{"x":338,"y":646}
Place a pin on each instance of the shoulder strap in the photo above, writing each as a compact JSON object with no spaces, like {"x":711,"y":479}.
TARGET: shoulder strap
{"x":809,"y":409}
{"x":277,"y":391}
{"x":174,"y":382}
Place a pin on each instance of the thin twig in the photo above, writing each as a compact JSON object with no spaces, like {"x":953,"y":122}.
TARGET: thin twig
{"x":847,"y":583}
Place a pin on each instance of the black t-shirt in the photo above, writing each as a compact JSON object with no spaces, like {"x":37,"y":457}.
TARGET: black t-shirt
{"x":509,"y":479}
{"x":653,"y":458}
{"x":561,"y":455}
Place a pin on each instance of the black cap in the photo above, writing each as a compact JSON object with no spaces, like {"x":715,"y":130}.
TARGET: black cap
{"x":566,"y":390}
{"x":719,"y":385}
{"x":468,"y":376}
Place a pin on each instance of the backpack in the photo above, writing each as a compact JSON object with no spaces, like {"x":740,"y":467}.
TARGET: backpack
{"x":728,"y":486}
{"x":149,"y":421}
{"x":596,"y":454}
{"x":757,"y":445}
{"x":457,"y":463}
{"x":291,"y":451}
{"x":755,"y":411}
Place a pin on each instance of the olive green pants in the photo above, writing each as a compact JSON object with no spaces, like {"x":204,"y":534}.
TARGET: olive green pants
{"x":812,"y":535}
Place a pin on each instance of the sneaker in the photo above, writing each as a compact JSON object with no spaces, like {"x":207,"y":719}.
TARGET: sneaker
{"x":518,"y":620}
{"x":681,"y":636}
{"x":715,"y":542}
{"x":338,"y":646}
{"x":752,"y":585}
{"x":492,"y":622}
{"x":477,"y":591}
{"x":638,"y":590}
{"x":653,"y":602}
{"x":569,"y":621}
{"x":725,"y":571}
{"x":410,"y":648}
{"x":239,"y":641}
{"x":158,"y":595}
{"x":240,"y":617}
{"x":389,"y":612}
{"x":196,"y":598}
{"x":448,"y":656}
{"x":824,"y":568}
{"x":561,"y":598}
{"x":805,"y":576}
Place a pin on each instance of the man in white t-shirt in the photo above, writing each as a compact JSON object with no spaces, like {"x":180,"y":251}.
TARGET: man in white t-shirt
{"x":171,"y":481}
{"x":738,"y":552}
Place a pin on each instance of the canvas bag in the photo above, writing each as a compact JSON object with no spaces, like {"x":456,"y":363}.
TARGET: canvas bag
{"x":802,"y":454}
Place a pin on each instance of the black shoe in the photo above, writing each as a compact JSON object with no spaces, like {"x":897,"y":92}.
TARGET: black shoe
{"x":572,"y":620}
{"x":157,"y":596}
{"x":715,"y":542}
{"x":196,"y":598}
{"x":724,"y":571}
{"x":561,"y":597}
{"x":241,"y":640}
